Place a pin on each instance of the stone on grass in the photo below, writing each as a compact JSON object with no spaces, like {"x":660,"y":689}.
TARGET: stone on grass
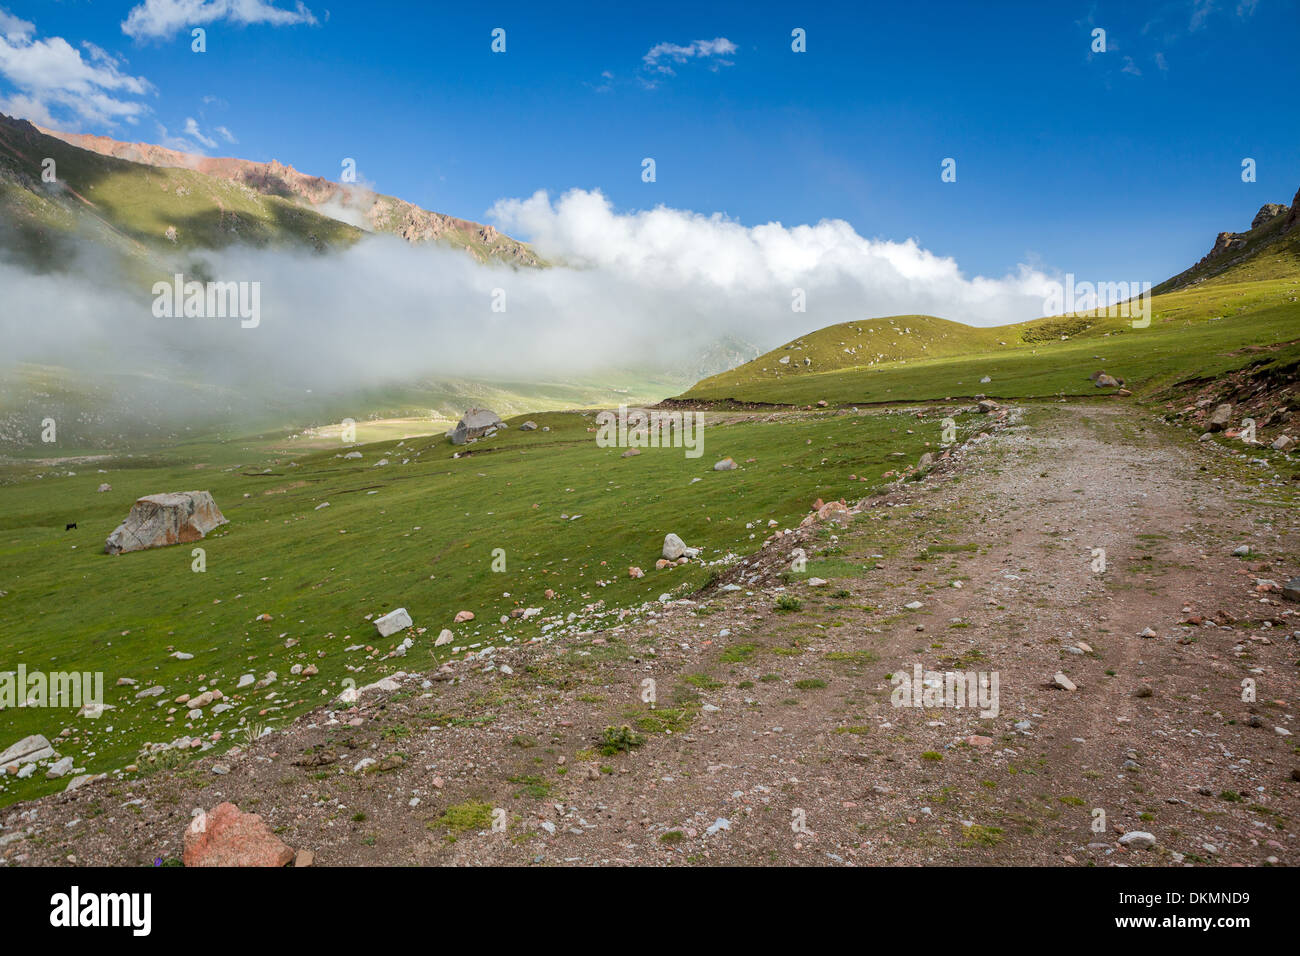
{"x":392,"y":622}
{"x":674,"y":547}
{"x":476,"y":423}
{"x":27,"y":750}
{"x":156,"y":521}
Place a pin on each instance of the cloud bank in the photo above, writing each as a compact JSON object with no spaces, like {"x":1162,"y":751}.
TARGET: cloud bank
{"x":646,"y":290}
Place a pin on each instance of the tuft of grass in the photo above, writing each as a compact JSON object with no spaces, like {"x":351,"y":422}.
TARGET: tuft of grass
{"x":788,"y":602}
{"x":979,"y":835}
{"x":615,"y":740}
{"x":470,"y":815}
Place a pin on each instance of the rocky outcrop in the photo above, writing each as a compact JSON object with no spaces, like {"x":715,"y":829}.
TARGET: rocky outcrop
{"x":1267,"y":213}
{"x":1232,"y":247}
{"x":1221,"y":417}
{"x":156,"y":521}
{"x":1294,"y":215}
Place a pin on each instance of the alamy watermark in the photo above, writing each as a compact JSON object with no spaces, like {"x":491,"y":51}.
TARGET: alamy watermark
{"x":81,"y":689}
{"x":1112,"y":299}
{"x":208,"y":300}
{"x":642,"y":428}
{"x":956,"y":689}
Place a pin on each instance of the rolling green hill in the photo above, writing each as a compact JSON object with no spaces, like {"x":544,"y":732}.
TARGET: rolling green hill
{"x":1238,"y":307}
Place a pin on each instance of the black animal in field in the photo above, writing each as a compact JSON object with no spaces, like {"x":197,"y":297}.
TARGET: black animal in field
{"x":71,"y":527}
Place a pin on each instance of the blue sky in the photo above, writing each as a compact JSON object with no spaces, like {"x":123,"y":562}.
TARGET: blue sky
{"x":1121,"y":164}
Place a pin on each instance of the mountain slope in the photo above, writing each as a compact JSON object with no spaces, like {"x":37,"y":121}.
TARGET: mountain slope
{"x":136,"y":198}
{"x":355,"y":205}
{"x":137,"y":209}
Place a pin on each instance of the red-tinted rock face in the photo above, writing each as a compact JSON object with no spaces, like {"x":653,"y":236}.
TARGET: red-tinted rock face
{"x":159,"y":520}
{"x":226,"y":836}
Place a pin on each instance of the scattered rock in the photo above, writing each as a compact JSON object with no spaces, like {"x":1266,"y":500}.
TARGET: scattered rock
{"x":1138,"y":840}
{"x":27,"y":750}
{"x":1219,"y":420}
{"x":392,"y":622}
{"x":674,"y":547}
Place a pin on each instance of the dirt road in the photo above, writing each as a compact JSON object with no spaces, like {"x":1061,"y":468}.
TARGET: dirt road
{"x":775,"y":737}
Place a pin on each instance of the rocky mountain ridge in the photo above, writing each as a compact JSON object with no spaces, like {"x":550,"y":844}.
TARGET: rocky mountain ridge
{"x":350,"y":203}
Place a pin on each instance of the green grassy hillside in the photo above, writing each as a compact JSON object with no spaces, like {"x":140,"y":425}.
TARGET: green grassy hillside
{"x":1202,"y":330}
{"x":139,"y":208}
{"x":419,"y":532}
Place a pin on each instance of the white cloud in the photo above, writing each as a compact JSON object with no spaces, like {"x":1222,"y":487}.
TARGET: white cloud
{"x":192,"y":130}
{"x":226,"y":134}
{"x":154,"y":19}
{"x":13,"y":28}
{"x":54,"y":82}
{"x":721,"y":273}
{"x":700,"y":49}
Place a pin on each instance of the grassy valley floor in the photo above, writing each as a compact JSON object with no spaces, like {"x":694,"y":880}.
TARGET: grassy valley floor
{"x":773,"y":738}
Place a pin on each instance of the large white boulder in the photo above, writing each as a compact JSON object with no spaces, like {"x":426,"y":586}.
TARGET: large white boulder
{"x":156,"y":521}
{"x":28,"y":750}
{"x":476,"y":423}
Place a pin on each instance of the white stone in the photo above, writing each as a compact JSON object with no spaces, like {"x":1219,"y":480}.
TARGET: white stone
{"x":392,"y":622}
